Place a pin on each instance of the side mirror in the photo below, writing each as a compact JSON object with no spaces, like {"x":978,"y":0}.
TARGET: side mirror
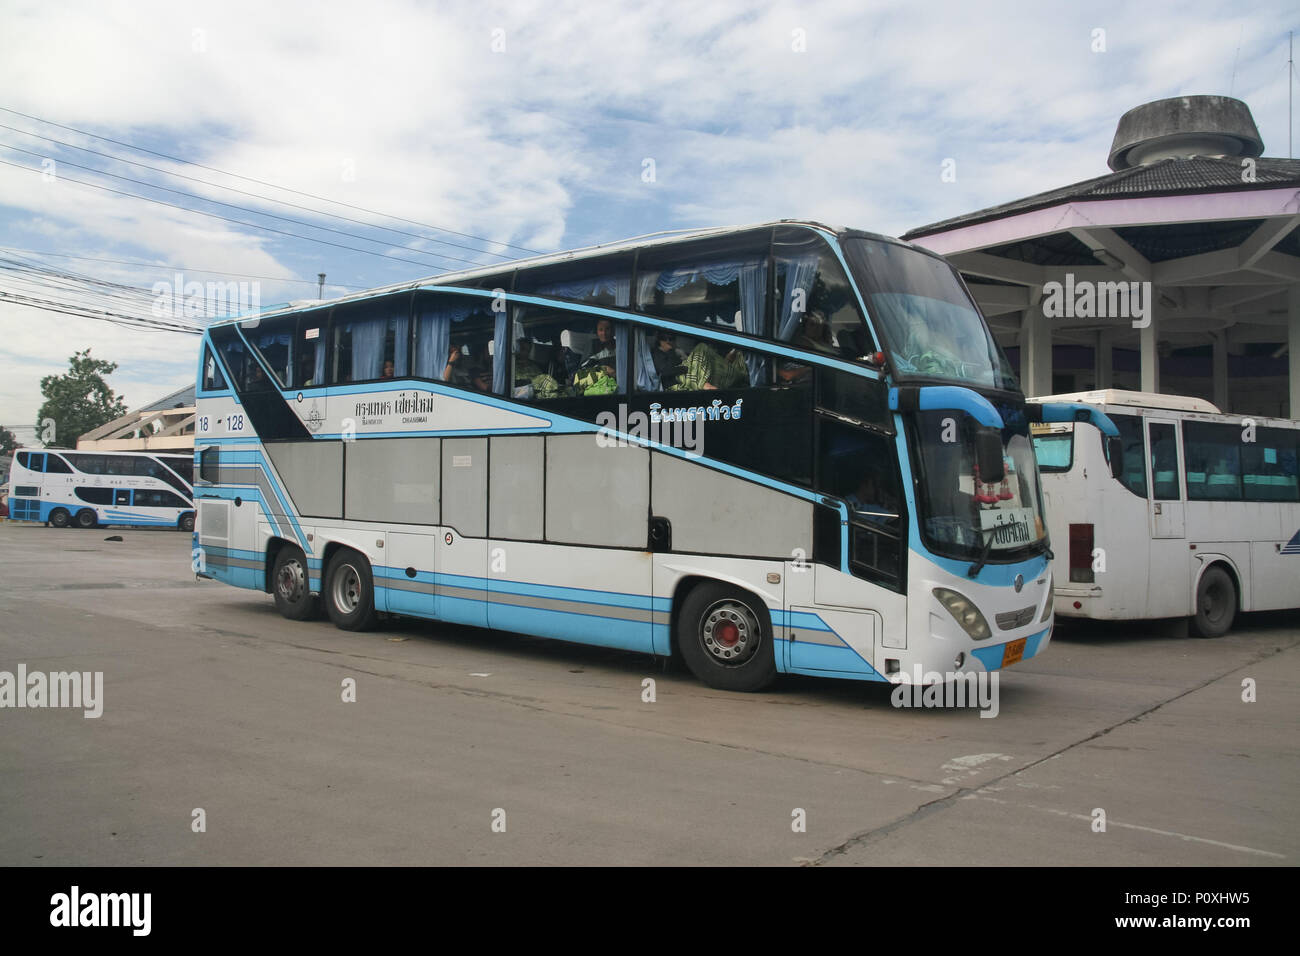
{"x":988,"y":455}
{"x":1115,"y":452}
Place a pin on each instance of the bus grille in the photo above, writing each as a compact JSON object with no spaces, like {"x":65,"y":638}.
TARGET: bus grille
{"x":1009,"y":620}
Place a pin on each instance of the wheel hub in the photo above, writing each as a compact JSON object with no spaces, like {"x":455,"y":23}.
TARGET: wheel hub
{"x":729,"y":633}
{"x":291,"y":582}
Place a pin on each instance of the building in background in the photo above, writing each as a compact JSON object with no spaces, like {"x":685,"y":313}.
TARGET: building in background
{"x":166,"y":425}
{"x":1207,"y":229}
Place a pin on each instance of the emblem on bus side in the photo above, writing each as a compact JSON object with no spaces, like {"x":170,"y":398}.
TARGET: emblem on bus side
{"x":314,"y":418}
{"x":1020,"y":582}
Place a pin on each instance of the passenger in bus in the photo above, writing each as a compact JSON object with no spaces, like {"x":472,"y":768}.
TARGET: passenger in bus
{"x":668,"y":359}
{"x":873,"y":499}
{"x":707,"y":370}
{"x":815,"y":335}
{"x":532,"y":382}
{"x":482,"y":379}
{"x":596,"y":376}
{"x":388,"y":368}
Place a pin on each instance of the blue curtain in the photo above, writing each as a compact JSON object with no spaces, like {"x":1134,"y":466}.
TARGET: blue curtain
{"x":401,"y":325}
{"x":319,"y":376}
{"x":367,"y":348}
{"x":799,"y":274}
{"x":432,"y":341}
{"x":500,"y":352}
{"x":753,"y":293}
{"x":647,"y":379}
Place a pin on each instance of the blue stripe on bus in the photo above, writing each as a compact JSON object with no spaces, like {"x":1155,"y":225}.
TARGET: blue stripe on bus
{"x":823,"y":660}
{"x":1292,"y":546}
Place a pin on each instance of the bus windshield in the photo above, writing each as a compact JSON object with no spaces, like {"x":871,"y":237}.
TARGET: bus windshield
{"x":958,"y":513}
{"x":928,"y":323}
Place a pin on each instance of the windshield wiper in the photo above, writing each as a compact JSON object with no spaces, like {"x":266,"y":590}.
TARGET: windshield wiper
{"x":978,"y":566}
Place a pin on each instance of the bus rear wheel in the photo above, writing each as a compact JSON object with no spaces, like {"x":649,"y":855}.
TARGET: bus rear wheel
{"x":291,"y":585}
{"x":87,"y":519}
{"x":1216,"y":603}
{"x":187,"y":521}
{"x":725,"y":637}
{"x":349,"y":592}
{"x":60,"y":518}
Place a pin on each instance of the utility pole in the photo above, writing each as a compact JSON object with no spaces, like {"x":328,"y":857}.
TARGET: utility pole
{"x":320,"y":291}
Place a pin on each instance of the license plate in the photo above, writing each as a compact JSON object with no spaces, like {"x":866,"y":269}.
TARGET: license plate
{"x":1013,"y":652}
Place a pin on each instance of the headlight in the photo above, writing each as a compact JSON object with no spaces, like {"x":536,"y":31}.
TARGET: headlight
{"x":966,"y":613}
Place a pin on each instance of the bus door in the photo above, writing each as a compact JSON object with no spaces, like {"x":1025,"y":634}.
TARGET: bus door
{"x":1167,"y":568}
{"x":1166,"y":499}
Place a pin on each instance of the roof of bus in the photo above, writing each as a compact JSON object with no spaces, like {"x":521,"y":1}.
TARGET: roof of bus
{"x":1115,"y":396}
{"x":622,"y":245}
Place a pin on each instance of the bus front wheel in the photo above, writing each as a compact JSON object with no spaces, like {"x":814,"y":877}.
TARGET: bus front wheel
{"x":291,"y":585}
{"x":87,"y":519}
{"x":1216,"y":603}
{"x":60,"y":518}
{"x":725,"y":637}
{"x":187,"y":521}
{"x":349,"y":592}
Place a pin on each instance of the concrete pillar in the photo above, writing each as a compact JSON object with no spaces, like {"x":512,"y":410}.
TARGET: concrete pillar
{"x":1293,"y":346}
{"x":1104,"y":359}
{"x":1035,"y":353}
{"x":1150,"y":359}
{"x":1220,"y":372}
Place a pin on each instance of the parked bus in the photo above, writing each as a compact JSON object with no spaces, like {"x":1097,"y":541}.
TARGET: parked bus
{"x":1203,"y":521}
{"x":90,"y":488}
{"x":775,"y":449}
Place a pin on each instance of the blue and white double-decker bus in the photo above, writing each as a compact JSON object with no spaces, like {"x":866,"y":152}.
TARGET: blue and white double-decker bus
{"x":785,"y":448}
{"x":89,"y":489}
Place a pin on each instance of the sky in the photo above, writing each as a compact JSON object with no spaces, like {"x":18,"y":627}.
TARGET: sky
{"x":491,"y":130}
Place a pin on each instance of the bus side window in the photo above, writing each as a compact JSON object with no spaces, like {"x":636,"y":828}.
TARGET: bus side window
{"x":213,"y":380}
{"x":1164,"y":462}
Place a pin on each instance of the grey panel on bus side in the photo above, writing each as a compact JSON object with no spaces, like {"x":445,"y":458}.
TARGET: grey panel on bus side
{"x":464,"y":485}
{"x":312,"y":472}
{"x":517,"y":463}
{"x":716,"y":513}
{"x":392,"y":479}
{"x":595,"y":495}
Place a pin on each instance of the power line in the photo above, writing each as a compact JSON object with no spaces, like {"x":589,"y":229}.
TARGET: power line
{"x":255,"y":212}
{"x":158,"y":265}
{"x":244,"y":192}
{"x":213,"y":215}
{"x":260,"y":182}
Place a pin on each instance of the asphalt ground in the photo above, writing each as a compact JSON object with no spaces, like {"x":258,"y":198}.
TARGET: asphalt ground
{"x":466,"y":746}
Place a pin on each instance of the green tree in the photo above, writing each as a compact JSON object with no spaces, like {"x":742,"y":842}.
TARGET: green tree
{"x":77,"y":402}
{"x":7,"y":441}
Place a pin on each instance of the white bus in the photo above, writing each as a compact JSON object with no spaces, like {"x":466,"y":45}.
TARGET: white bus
{"x":776,"y":449}
{"x":87,"y":489}
{"x":1202,"y":522}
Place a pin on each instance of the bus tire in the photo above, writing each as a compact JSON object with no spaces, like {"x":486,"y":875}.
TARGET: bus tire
{"x":87,"y":519}
{"x":725,"y":637}
{"x":349,"y":592}
{"x":187,"y":522}
{"x":291,"y":585}
{"x":1216,"y":603}
{"x":60,"y":518}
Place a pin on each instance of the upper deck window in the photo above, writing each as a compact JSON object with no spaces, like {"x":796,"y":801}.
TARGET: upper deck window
{"x":815,"y":306}
{"x":930,"y":325}
{"x":709,"y":282}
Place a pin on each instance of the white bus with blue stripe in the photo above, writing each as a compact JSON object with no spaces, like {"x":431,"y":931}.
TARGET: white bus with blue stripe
{"x":91,"y":489}
{"x":1202,"y":521}
{"x":785,"y":448}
